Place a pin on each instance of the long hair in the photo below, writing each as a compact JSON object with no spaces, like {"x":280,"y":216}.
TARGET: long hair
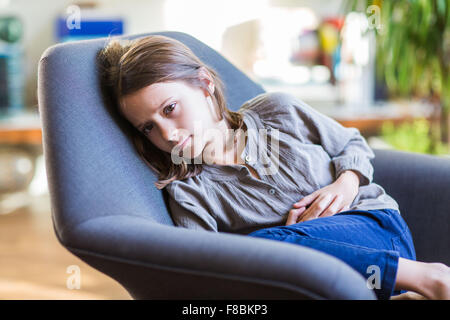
{"x":128,"y":66}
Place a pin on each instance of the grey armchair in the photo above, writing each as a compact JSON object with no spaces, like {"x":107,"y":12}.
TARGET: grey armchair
{"x":107,"y":212}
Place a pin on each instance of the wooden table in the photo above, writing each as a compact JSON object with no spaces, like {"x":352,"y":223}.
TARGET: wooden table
{"x":23,"y":129}
{"x":26,"y":129}
{"x":21,"y":132}
{"x":370,"y":120}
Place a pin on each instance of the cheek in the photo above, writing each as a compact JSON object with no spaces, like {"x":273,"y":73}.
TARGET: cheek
{"x":186,"y":119}
{"x":197,"y":121}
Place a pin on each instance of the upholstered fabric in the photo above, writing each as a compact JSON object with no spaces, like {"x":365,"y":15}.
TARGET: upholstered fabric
{"x":107,"y":211}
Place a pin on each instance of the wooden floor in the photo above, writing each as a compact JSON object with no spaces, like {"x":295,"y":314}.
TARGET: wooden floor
{"x":33,"y":264}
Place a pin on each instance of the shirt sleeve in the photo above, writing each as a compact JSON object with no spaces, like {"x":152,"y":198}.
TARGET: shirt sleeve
{"x":346,"y":147}
{"x":188,"y":213}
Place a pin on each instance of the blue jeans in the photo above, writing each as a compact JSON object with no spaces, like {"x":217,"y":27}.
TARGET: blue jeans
{"x":360,"y":238}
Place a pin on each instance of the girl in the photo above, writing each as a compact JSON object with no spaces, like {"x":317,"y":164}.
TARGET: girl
{"x":311,"y":185}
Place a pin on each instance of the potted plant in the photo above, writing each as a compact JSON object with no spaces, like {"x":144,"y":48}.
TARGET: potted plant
{"x":413,"y":51}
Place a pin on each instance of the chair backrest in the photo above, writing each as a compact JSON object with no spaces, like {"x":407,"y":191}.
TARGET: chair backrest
{"x":92,"y":167}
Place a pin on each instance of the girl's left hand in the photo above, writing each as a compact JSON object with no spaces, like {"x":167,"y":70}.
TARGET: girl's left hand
{"x":327,"y":201}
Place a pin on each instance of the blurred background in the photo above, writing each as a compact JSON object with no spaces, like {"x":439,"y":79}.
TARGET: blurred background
{"x":379,"y":66}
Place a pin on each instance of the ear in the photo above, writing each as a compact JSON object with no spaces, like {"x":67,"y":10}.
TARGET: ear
{"x":207,"y":80}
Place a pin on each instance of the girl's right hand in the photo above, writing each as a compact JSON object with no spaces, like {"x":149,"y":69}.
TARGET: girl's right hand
{"x":294,"y":214}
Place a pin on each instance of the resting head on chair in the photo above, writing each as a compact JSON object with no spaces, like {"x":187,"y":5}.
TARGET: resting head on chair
{"x":175,"y":104}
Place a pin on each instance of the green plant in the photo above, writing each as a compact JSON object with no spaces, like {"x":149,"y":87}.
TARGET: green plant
{"x":413,"y":49}
{"x":412,"y":136}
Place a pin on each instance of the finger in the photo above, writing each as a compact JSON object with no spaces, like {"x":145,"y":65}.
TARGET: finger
{"x":318,"y":206}
{"x":293,"y":215}
{"x":321,"y":204}
{"x":334,"y":207}
{"x":306,"y":200}
{"x":299,"y":213}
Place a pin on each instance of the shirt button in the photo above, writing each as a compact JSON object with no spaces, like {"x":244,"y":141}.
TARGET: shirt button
{"x":248,"y":159}
{"x":272,"y":191}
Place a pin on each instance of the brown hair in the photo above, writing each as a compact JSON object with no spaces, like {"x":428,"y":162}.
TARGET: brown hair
{"x":127,"y":66}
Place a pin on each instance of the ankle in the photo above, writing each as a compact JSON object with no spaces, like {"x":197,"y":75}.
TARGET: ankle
{"x":412,"y":275}
{"x":435,"y":283}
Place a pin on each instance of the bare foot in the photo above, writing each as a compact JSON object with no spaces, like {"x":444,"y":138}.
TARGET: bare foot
{"x":408,"y":295}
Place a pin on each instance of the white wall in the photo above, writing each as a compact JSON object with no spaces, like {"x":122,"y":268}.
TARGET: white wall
{"x":39,"y":17}
{"x":207,"y":20}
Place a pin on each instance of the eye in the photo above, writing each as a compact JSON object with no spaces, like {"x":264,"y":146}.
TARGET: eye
{"x":170,"y":108}
{"x":147,"y":128}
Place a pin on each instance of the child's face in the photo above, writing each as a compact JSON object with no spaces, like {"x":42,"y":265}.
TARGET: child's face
{"x":166,"y":113}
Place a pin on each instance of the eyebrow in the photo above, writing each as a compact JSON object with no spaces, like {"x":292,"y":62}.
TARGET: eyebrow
{"x":140,"y":126}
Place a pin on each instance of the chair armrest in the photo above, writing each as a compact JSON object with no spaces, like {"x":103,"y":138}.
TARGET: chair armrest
{"x":421,"y":185}
{"x":157,"y":261}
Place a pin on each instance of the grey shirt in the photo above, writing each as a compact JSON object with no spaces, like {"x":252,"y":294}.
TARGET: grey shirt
{"x":304,"y":151}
